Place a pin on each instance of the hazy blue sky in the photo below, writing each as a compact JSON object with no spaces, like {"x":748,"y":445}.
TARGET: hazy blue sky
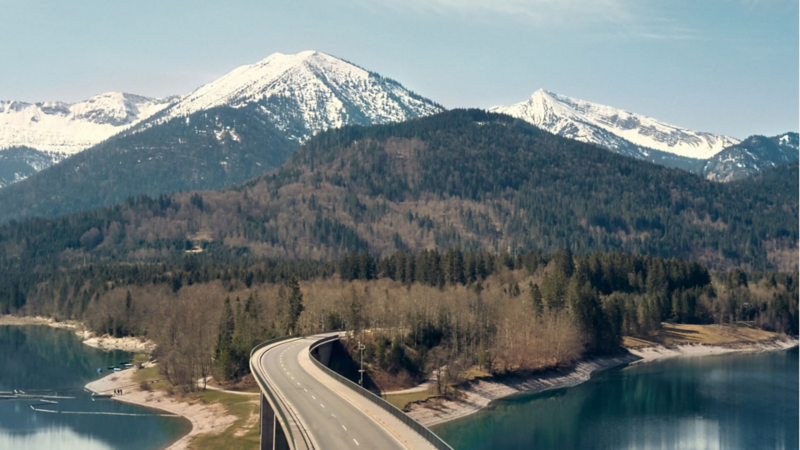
{"x":711,"y":65}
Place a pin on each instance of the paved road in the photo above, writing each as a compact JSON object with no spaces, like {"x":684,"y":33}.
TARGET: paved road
{"x":331,"y":420}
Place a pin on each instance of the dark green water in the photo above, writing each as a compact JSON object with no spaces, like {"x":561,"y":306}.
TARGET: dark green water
{"x":38,"y":357}
{"x":721,"y":402}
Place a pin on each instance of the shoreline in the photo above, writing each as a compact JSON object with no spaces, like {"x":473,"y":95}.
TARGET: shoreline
{"x":102,"y":342}
{"x":205,"y":418}
{"x":481,"y":393}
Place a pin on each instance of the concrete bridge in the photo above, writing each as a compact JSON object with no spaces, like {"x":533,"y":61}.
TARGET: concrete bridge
{"x":305,"y":405}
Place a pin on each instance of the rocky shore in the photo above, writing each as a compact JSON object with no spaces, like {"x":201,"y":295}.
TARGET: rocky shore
{"x":480,"y":393}
{"x":103,"y":342}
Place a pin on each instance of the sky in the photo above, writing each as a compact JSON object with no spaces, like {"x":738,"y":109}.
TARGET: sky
{"x":722,"y":66}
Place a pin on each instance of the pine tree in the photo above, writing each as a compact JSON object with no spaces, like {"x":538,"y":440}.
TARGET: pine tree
{"x":224,"y":354}
{"x":291,"y":305}
{"x":563,"y":261}
{"x":536,"y":298}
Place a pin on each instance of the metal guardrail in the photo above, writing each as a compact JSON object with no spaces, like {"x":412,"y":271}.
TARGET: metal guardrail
{"x":264,"y":387}
{"x":420,"y":429}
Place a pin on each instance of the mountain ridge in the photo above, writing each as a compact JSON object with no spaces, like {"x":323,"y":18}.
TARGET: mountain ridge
{"x":462,"y":178}
{"x":329,"y":92}
{"x":215,"y":146}
{"x":68,"y":128}
{"x":752,"y":155}
{"x":608,"y":126}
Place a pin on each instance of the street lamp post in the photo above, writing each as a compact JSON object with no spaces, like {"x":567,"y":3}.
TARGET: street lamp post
{"x":361,"y":348}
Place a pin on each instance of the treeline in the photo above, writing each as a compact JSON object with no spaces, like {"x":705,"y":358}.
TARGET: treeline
{"x":422,"y":313}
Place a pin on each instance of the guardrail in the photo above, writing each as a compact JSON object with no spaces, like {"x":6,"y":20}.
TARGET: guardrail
{"x":420,"y":429}
{"x":264,"y":387}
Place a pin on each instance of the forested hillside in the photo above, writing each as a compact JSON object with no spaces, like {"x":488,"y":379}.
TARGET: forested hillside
{"x":207,"y":150}
{"x":465,"y":179}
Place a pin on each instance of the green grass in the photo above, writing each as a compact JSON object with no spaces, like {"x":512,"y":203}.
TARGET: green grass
{"x":241,"y":434}
{"x":245,"y":426}
{"x":402,"y":400}
{"x":151,"y":374}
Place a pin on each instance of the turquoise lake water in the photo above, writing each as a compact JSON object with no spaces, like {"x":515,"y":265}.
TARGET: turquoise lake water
{"x":38,"y":357}
{"x":720,"y":402}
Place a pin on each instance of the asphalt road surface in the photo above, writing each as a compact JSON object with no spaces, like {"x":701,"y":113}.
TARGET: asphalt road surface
{"x":331,"y":420}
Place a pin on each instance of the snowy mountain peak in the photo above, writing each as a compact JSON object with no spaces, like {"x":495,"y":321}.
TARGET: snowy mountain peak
{"x":308,"y":92}
{"x":613,"y":128}
{"x":67,"y":128}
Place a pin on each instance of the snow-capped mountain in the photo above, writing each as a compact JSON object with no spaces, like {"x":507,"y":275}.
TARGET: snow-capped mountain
{"x":617,"y":130}
{"x":34,"y":136}
{"x":751,"y":156}
{"x":305,"y":93}
{"x":68,"y":128}
{"x":224,"y":133}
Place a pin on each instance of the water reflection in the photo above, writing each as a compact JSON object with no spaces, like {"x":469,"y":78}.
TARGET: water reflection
{"x":37,"y":357}
{"x":731,"y":402}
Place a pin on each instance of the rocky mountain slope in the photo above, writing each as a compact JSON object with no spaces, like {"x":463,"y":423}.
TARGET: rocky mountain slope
{"x":306,"y":93}
{"x":620,"y":131}
{"x":751,"y":156}
{"x":224,"y":133}
{"x":55,"y":130}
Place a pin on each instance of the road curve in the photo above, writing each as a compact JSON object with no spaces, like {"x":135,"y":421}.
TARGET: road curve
{"x":324,"y":412}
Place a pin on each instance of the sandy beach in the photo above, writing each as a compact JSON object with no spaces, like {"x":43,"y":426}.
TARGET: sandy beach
{"x":479,"y":394}
{"x":659,"y":352}
{"x":103,"y":342}
{"x":205,"y":418}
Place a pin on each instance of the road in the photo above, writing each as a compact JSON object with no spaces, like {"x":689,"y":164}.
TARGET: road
{"x":329,"y":416}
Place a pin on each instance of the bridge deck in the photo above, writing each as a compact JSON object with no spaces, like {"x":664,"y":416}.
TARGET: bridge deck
{"x":326,"y":413}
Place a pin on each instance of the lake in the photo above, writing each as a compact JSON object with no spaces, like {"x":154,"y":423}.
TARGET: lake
{"x":740,"y":401}
{"x":40,"y":357}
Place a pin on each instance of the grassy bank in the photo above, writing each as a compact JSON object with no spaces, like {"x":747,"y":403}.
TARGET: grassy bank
{"x":240,"y":410}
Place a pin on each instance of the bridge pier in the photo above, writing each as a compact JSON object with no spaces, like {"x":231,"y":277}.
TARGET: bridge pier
{"x":272,"y":435}
{"x":323,"y":353}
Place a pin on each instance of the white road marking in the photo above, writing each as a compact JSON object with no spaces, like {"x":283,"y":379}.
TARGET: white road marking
{"x":305,"y":389}
{"x":323,"y":406}
{"x":345,"y":428}
{"x":332,"y":415}
{"x":313,"y":397}
{"x":356,"y":442}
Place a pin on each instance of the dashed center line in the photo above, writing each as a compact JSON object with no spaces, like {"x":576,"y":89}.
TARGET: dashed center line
{"x":345,"y":428}
{"x":356,"y":441}
{"x":323,"y":406}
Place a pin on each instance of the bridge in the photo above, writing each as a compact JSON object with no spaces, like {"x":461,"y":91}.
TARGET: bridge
{"x":305,"y":405}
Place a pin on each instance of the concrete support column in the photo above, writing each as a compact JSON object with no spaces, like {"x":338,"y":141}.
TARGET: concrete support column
{"x":267,"y":428}
{"x":280,"y":442}
{"x":324,"y":353}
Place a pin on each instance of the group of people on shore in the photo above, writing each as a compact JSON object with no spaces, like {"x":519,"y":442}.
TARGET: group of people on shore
{"x":117,"y":391}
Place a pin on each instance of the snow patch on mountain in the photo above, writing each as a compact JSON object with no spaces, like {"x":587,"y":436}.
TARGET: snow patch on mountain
{"x":613,"y":128}
{"x":68,"y":128}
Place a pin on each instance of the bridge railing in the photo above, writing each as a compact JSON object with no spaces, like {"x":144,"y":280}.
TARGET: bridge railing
{"x":265,"y":387}
{"x":420,"y":429}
